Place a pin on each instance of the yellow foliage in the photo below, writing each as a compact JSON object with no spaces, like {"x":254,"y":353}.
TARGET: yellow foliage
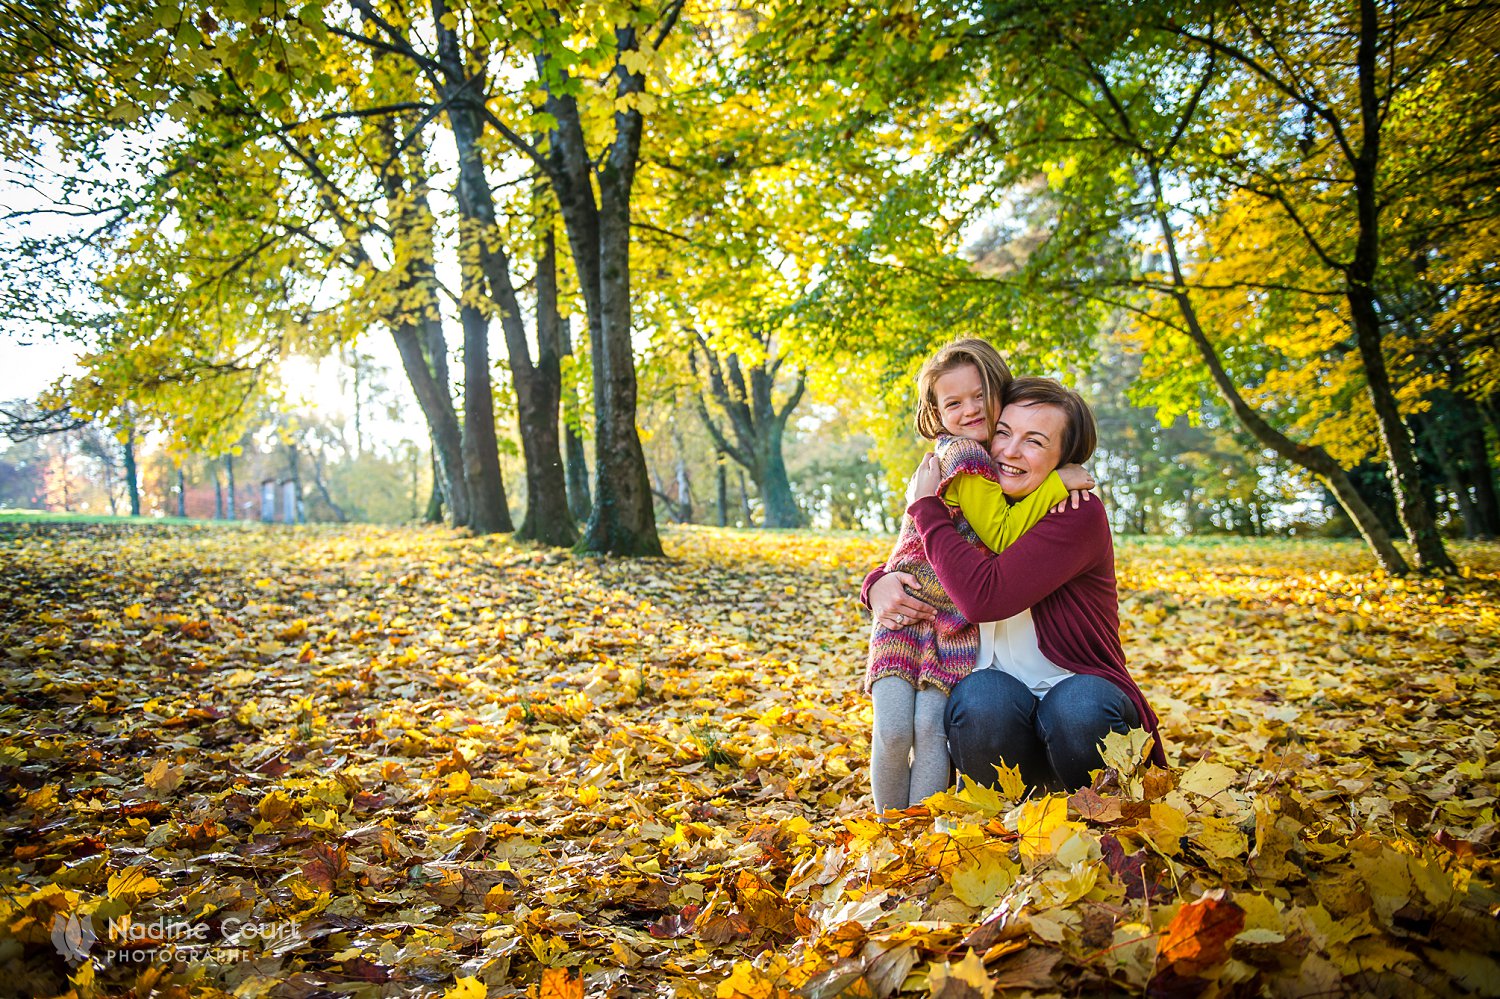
{"x":665,"y":773}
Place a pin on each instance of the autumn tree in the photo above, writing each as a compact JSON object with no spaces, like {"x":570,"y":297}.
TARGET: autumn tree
{"x":751,"y":422}
{"x":1145,"y":125}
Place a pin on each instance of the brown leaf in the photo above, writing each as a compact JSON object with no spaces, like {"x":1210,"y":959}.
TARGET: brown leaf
{"x":325,"y":865}
{"x":1031,"y":969}
{"x":674,"y":925}
{"x":1091,"y":807}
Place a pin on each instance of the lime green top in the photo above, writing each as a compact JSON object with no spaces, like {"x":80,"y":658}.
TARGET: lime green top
{"x":996,"y":520}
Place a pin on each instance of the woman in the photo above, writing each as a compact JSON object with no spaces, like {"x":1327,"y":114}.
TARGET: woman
{"x":1052,"y":680}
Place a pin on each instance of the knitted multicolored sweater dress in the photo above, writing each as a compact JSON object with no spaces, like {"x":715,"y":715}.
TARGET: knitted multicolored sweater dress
{"x":943,"y":652}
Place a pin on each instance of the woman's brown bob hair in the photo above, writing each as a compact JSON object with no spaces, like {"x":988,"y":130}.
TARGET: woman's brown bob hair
{"x":993,"y":374}
{"x":1081,"y":433}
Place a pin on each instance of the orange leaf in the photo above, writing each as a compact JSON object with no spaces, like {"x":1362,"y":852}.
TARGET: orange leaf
{"x":1199,"y":934}
{"x":557,"y":983}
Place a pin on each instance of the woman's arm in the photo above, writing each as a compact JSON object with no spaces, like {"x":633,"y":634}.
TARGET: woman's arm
{"x":992,"y":587}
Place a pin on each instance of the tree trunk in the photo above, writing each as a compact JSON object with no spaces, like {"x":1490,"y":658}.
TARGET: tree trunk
{"x":218,"y":493}
{"x":181,"y":493}
{"x":416,"y":327}
{"x":488,"y":510}
{"x":780,"y":507}
{"x":755,"y":424}
{"x":434,"y":512}
{"x":132,"y":478}
{"x":721,"y":473}
{"x":580,"y":504}
{"x":234,"y":511}
{"x":538,"y":397}
{"x":442,"y":422}
{"x":745,"y":501}
{"x":1359,"y":290}
{"x":1480,"y":473}
{"x":622,"y":521}
{"x":1312,"y":458}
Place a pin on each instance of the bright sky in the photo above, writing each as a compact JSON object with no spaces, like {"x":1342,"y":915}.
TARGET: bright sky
{"x":31,"y":362}
{"x":31,"y":365}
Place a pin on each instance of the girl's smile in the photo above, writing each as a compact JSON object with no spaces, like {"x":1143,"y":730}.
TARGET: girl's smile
{"x":961,"y":404}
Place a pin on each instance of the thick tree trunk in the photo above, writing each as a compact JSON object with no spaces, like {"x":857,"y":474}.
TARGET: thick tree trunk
{"x":780,"y":506}
{"x":623,"y":521}
{"x":488,"y":511}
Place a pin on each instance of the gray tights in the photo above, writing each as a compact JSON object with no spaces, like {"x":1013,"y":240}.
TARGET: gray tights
{"x":908,"y":750}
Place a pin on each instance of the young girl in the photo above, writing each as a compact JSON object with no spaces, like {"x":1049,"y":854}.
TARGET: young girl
{"x":960,"y":391}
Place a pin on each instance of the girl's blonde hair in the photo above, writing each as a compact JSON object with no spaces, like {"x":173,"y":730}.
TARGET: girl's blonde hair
{"x":993,"y":373}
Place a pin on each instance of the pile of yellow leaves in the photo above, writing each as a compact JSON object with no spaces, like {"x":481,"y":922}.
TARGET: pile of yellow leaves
{"x":376,"y":762}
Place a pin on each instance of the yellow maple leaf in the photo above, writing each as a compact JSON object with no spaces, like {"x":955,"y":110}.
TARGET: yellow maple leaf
{"x":133,"y":884}
{"x":965,"y":979}
{"x":163,"y":778}
{"x":466,"y":988}
{"x":980,"y":880}
{"x":1038,"y":820}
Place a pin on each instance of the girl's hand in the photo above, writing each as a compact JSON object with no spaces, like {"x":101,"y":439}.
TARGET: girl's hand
{"x":1079,"y":481}
{"x":893,"y":607}
{"x":924,"y":482}
{"x":1076,"y":477}
{"x":1074,"y":496}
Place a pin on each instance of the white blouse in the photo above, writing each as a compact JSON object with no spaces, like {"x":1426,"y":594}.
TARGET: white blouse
{"x":1010,"y":645}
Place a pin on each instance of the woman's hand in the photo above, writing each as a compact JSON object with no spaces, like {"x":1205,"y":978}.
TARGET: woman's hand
{"x":892,"y":606}
{"x":924,"y":482}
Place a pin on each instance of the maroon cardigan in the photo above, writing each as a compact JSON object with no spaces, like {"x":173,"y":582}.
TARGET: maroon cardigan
{"x":1063,"y":569}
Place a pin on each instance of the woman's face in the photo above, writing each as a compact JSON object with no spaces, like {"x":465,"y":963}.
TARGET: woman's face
{"x":1027,"y":445}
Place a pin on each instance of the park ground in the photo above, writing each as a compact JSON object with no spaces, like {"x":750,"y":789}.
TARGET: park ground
{"x":363,"y":761}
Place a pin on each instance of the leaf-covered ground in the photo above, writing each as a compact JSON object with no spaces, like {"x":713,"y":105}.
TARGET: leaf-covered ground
{"x":323,"y":762}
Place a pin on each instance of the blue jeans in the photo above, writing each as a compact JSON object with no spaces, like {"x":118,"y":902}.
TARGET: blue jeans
{"x":994,"y":718}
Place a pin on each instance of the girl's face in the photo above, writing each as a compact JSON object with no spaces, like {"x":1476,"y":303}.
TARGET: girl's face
{"x":961,"y":405}
{"x":1027,"y":446}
